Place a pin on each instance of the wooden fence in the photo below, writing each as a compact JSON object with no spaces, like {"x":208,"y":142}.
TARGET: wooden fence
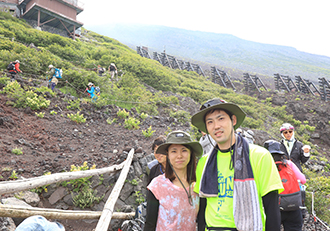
{"x":104,"y":217}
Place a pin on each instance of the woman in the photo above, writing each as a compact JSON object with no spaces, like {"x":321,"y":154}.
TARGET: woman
{"x":293,"y":149}
{"x":290,"y":218}
{"x":171,"y":202}
{"x":159,"y":167}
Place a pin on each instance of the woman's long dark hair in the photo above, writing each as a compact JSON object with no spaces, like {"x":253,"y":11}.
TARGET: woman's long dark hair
{"x":191,"y":167}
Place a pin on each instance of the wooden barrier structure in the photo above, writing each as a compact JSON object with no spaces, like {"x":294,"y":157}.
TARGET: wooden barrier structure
{"x":143,"y":51}
{"x":104,"y":217}
{"x":284,"y":83}
{"x":222,"y":78}
{"x":324,"y":89}
{"x":170,"y":61}
{"x":252,"y":82}
{"x":304,"y":86}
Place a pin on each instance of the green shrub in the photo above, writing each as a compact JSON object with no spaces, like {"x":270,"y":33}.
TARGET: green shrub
{"x":148,"y":133}
{"x":320,"y":185}
{"x":143,"y":116}
{"x":74,"y":104}
{"x":44,"y":89}
{"x":77,"y":117}
{"x":4,"y":80}
{"x":181,"y":116}
{"x":40,"y":114}
{"x":86,"y":198}
{"x":122,"y":114}
{"x":17,"y":151}
{"x":53,"y":112}
{"x":131,"y":123}
{"x":139,"y":197}
{"x":111,"y":121}
{"x":13,"y":175}
{"x":24,"y":98}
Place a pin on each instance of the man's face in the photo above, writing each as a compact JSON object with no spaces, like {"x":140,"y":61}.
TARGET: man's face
{"x":220,"y":127}
{"x":160,"y":157}
{"x":288,"y":134}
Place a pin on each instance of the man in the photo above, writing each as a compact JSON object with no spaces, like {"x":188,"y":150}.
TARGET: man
{"x":158,"y":165}
{"x":293,"y":149}
{"x":238,"y":182}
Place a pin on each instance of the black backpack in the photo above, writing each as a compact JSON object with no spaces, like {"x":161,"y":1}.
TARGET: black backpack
{"x":11,"y":66}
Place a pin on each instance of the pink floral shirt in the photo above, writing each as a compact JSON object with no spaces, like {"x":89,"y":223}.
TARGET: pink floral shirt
{"x":175,"y":212}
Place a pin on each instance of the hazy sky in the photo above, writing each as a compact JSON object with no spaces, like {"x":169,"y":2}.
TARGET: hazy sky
{"x":302,"y":24}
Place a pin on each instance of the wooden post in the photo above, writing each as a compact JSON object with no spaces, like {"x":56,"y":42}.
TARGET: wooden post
{"x":38,"y":18}
{"x":24,"y":212}
{"x":107,"y":212}
{"x":21,"y":185}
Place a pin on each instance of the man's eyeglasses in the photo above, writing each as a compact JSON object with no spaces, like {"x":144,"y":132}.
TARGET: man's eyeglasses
{"x":211,"y":103}
{"x":286,"y":132}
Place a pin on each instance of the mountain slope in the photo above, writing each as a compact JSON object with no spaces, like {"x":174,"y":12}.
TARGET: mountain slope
{"x":221,"y":50}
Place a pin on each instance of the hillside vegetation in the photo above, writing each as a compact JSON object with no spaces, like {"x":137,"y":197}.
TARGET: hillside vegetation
{"x":222,"y":50}
{"x":79,"y":58}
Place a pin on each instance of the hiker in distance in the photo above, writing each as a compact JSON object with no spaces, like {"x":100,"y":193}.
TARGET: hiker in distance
{"x":171,"y":202}
{"x":13,"y":69}
{"x":238,"y":183}
{"x":91,"y":90}
{"x":53,"y":81}
{"x":113,"y":70}
{"x":292,"y":148}
{"x":290,"y":198}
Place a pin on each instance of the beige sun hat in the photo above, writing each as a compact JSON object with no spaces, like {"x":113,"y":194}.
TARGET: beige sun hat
{"x":198,"y":119}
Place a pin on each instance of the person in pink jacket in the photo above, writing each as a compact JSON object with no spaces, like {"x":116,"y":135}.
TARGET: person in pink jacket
{"x":292,"y":220}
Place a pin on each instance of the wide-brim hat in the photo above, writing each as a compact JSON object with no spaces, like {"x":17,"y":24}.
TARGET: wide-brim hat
{"x":180,"y":137}
{"x":198,"y":119}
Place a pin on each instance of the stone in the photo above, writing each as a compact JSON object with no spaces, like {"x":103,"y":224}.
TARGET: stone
{"x":137,"y":169}
{"x":57,"y":195}
{"x":126,"y":191}
{"x":7,"y":224}
{"x":29,"y":197}
{"x":68,"y":200}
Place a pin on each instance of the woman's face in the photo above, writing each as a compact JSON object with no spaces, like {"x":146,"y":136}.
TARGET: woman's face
{"x":288,"y":134}
{"x":160,"y":157}
{"x":179,"y":156}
